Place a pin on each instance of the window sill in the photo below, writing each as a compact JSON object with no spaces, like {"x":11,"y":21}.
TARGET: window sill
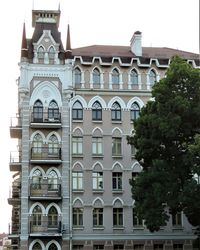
{"x":98,"y":191}
{"x":77,"y":155}
{"x":117,"y":122}
{"x":78,"y":191}
{"x":97,"y":121}
{"x":118,"y":227}
{"x":177,"y":228}
{"x":117,"y":156}
{"x":97,"y":156}
{"x":98,"y":228}
{"x":79,"y":121}
{"x":120,"y":191}
{"x":138,"y":227}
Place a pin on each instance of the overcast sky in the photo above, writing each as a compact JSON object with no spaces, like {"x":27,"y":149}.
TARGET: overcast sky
{"x":163,"y":23}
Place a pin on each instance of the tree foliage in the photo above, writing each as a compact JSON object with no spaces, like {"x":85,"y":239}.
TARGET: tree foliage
{"x":167,"y":142}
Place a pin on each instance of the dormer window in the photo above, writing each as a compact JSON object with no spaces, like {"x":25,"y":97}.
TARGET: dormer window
{"x":41,"y":52}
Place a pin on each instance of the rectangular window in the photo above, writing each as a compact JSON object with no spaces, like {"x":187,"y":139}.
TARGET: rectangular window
{"x":77,"y":217}
{"x":97,"y":146}
{"x":158,"y":247}
{"x":177,"y":219}
{"x":97,"y":180}
{"x":137,"y":222}
{"x":77,"y":145}
{"x":116,"y":146}
{"x":97,"y":217}
{"x":178,"y":246}
{"x":77,"y":180}
{"x":117,"y":217}
{"x":118,"y":247}
{"x":117,"y":181}
{"x":138,"y":247}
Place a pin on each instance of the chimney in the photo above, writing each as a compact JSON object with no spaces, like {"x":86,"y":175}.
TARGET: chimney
{"x":136,"y":43}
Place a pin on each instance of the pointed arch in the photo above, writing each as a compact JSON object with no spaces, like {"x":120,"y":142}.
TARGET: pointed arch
{"x":77,"y":111}
{"x":52,"y":52}
{"x":78,"y":166}
{"x":116,"y":99}
{"x":77,"y":75}
{"x":115,"y":75}
{"x":117,"y":166}
{"x":78,"y":131}
{"x":98,"y":202}
{"x":77,"y":202}
{"x":37,"y":167}
{"x":37,"y":204}
{"x":97,"y":166}
{"x":96,"y":75}
{"x":53,"y":133}
{"x":54,"y":169}
{"x":133,"y":76}
{"x":117,"y":202}
{"x":99,"y":99}
{"x":35,"y":133}
{"x":53,"y":205}
{"x":36,"y":241}
{"x":136,"y":167}
{"x":117,"y":132}
{"x":97,"y":132}
{"x":41,"y":52}
{"x":53,"y":242}
{"x":80,"y":99}
{"x":53,"y":111}
{"x":137,"y":100}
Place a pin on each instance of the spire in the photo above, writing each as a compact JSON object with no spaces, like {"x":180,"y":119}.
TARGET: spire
{"x":68,"y":51}
{"x":24,"y":51}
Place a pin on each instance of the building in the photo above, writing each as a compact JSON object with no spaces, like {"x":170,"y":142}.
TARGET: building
{"x":75,"y":108}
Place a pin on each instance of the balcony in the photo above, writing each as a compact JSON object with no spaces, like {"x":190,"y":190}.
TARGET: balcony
{"x":46,"y":120}
{"x":45,"y":191}
{"x":15,"y":161}
{"x":45,"y":155}
{"x":45,"y":229}
{"x":14,"y":195}
{"x":16,"y":127}
{"x":13,"y":231}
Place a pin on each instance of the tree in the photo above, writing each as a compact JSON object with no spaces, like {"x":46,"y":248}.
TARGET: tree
{"x":166,"y":136}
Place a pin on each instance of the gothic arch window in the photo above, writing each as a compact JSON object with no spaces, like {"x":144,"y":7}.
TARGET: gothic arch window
{"x":53,"y":217}
{"x":96,"y":111}
{"x":77,"y":76}
{"x":37,"y":144}
{"x":53,"y":145}
{"x":77,"y":111}
{"x":135,"y":111}
{"x":37,"y":246}
{"x":52,"y":180}
{"x":134,"y":76}
{"x":37,"y":216}
{"x":38,"y":111}
{"x":115,"y":76}
{"x":53,"y":110}
{"x":36,"y":179}
{"x":51,"y":53}
{"x":116,"y":112}
{"x":152,"y":77}
{"x":53,"y":247}
{"x":41,"y":52}
{"x":96,"y":76}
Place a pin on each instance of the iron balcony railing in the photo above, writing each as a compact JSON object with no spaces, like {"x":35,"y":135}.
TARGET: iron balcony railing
{"x":15,"y":157}
{"x":45,"y":190}
{"x":45,"y":153}
{"x":46,"y":117}
{"x":46,"y":226}
{"x":14,"y":228}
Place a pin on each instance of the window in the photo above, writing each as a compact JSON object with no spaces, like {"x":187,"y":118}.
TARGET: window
{"x":37,"y":216}
{"x":135,"y":111}
{"x":36,"y":179}
{"x":118,"y":247}
{"x":138,"y":247}
{"x":116,"y":146}
{"x":53,"y":218}
{"x":53,"y":145}
{"x":51,"y":53}
{"x":52,"y":180}
{"x":116,"y":112}
{"x":96,"y":76}
{"x":152,"y":77}
{"x":178,"y":246}
{"x":97,"y":180}
{"x":40,"y":52}
{"x":97,"y":217}
{"x":77,"y":145}
{"x":38,"y":111}
{"x":37,"y":144}
{"x":97,"y":146}
{"x":158,"y":247}
{"x":96,"y":111}
{"x":77,"y":111}
{"x":77,"y":76}
{"x":134,"y":77}
{"x":53,"y":111}
{"x":117,"y":181}
{"x":37,"y":246}
{"x":133,"y":150}
{"x":177,"y":219}
{"x":117,"y":217}
{"x":115,"y":76}
{"x":77,"y":180}
{"x":77,"y":247}
{"x":77,"y":216}
{"x":137,"y":221}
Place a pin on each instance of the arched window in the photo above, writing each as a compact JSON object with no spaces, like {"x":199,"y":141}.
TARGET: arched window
{"x":77,"y":76}
{"x":53,"y":145}
{"x":51,"y":53}
{"x":37,"y":246}
{"x":135,"y":110}
{"x":115,"y":76}
{"x":52,"y":180}
{"x":53,"y":217}
{"x":116,"y":112}
{"x":96,"y":111}
{"x":38,"y":111}
{"x":37,"y":144}
{"x":77,"y":111}
{"x":53,"y":111}
{"x":53,"y":247}
{"x":134,"y":76}
{"x":36,"y":179}
{"x":96,"y":76}
{"x":37,"y":216}
{"x":41,"y":52}
{"x":152,"y":77}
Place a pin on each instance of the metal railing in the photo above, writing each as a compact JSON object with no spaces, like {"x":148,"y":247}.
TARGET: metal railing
{"x":45,"y":153}
{"x":45,"y":190}
{"x":15,"y":157}
{"x":46,"y":117}
{"x":45,"y":226}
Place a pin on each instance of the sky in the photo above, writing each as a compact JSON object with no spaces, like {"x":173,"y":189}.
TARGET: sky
{"x":163,"y":23}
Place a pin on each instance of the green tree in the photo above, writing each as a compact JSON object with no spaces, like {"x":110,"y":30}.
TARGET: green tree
{"x":164,"y":136}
